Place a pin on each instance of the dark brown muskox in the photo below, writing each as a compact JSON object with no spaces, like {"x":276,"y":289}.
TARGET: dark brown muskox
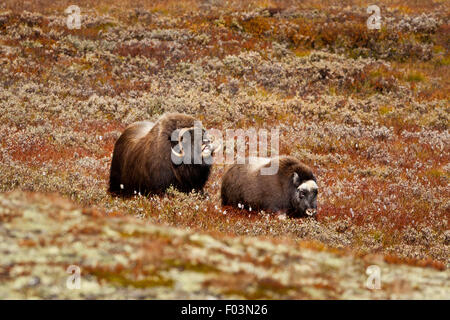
{"x":292,"y":189}
{"x":149,"y":157}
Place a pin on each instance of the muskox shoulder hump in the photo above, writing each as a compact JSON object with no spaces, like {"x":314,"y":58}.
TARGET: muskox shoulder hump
{"x":256,"y":163}
{"x":141,"y":128}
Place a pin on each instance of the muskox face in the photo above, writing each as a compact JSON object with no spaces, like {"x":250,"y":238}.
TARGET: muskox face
{"x":192,"y":146}
{"x":305,"y":196}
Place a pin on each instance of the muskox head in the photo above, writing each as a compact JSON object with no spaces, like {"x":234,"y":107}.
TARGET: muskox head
{"x":304,"y":195}
{"x":192,"y":146}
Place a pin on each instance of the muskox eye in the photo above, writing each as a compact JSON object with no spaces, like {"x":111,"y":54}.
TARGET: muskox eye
{"x":302,"y":193}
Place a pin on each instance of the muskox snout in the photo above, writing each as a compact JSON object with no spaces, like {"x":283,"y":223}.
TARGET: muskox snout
{"x":311,"y":207}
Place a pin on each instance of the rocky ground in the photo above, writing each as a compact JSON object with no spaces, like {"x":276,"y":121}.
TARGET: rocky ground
{"x":124,"y":257}
{"x":368,"y":110}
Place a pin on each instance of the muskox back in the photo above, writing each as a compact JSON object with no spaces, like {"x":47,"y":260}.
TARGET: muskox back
{"x":244,"y":185}
{"x":142,"y":163}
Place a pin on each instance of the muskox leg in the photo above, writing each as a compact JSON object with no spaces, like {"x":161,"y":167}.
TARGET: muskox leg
{"x":115,"y":175}
{"x":224,"y":199}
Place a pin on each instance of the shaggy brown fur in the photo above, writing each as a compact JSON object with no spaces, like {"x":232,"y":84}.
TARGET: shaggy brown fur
{"x":141,"y":161}
{"x":285,"y":191}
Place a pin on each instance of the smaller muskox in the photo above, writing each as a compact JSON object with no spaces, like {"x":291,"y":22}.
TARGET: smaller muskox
{"x":150,"y":157}
{"x":292,"y":189}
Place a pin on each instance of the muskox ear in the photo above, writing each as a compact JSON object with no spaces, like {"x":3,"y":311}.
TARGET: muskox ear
{"x":296,"y":179}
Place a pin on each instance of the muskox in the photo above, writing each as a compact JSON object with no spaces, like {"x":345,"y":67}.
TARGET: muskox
{"x":291,"y":190}
{"x":149,"y":157}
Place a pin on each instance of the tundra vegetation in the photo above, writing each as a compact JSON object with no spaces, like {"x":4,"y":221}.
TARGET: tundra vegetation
{"x":367,"y":110}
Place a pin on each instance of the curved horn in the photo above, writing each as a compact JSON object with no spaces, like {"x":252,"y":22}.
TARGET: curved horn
{"x":180,"y":136}
{"x":182,"y":132}
{"x":178,"y":154}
